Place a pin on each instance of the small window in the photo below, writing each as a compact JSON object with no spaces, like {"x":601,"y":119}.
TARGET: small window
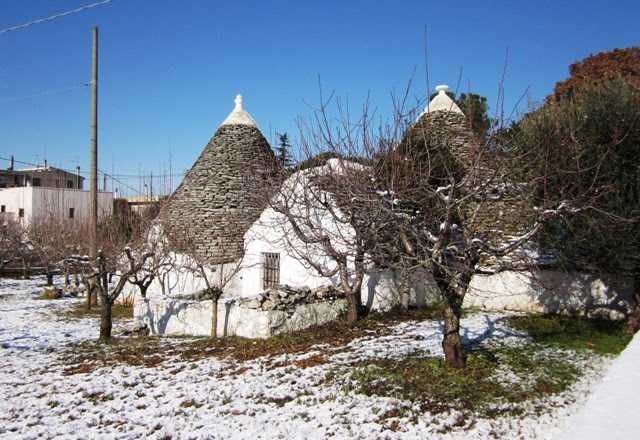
{"x":71,"y":212}
{"x":36,"y":181}
{"x":271,"y":270}
{"x":21,"y":212}
{"x":69,"y":183}
{"x":3,"y":208}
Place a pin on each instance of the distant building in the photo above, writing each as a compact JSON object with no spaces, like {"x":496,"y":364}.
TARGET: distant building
{"x":143,"y":203}
{"x":27,"y":204}
{"x":44,"y":176}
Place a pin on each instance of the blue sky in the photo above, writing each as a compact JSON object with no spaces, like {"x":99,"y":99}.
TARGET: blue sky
{"x":169,"y":69}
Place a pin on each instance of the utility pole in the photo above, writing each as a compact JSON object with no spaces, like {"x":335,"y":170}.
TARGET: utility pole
{"x":93,"y":191}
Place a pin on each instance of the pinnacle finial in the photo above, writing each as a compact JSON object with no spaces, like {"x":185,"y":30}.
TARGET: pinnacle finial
{"x":442,"y":88}
{"x":238,"y":102}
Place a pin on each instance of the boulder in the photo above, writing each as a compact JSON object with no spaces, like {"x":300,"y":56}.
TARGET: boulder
{"x":52,"y":293}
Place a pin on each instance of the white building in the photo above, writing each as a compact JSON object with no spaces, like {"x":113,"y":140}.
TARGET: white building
{"x":27,"y":204}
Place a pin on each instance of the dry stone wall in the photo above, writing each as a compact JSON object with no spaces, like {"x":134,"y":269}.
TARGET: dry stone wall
{"x":223,"y":194}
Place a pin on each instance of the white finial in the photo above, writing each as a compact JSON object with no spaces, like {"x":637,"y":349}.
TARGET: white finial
{"x":238,"y":102}
{"x":441,"y":102}
{"x":238,"y":115}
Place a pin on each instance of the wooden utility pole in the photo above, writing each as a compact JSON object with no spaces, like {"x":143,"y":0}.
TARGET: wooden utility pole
{"x":93,"y":190}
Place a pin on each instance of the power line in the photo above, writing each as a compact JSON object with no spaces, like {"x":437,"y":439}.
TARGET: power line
{"x":116,"y":178}
{"x":53,"y":17}
{"x":49,"y":92}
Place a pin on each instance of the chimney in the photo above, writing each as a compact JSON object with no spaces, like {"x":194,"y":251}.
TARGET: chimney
{"x":45,"y":164}
{"x":10,"y":163}
{"x":78,"y":182}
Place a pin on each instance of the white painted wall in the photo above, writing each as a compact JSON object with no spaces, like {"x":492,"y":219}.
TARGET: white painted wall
{"x":43,"y":202}
{"x":272,"y":233}
{"x":166,"y":316}
{"x":552,"y":291}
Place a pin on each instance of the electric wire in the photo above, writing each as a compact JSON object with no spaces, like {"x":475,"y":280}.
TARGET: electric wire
{"x":115,"y":177}
{"x":49,"y":92}
{"x":53,"y":17}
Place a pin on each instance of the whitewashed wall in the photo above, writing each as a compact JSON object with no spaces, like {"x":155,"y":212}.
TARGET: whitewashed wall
{"x":552,"y":291}
{"x":166,"y":316}
{"x":41,"y":202}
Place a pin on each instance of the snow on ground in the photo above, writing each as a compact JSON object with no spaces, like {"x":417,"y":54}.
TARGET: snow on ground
{"x":224,"y":398}
{"x":612,"y":410}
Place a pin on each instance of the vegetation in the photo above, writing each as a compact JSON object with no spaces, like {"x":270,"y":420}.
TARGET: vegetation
{"x":602,"y":67}
{"x":543,"y":359}
{"x":602,"y":147}
{"x":573,"y":333}
{"x":283,"y":153}
{"x":498,"y":374}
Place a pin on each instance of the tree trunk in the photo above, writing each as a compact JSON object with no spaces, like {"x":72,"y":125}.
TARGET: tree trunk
{"x":632,"y":324}
{"x":352,"y":307}
{"x":105,"y":318}
{"x":89,"y":287}
{"x":49,"y":278}
{"x":405,"y":286}
{"x":107,"y":301}
{"x":452,"y":342}
{"x":214,"y":318}
{"x":25,"y":269}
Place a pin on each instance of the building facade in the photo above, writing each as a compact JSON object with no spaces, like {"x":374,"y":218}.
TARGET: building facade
{"x":26,"y":204}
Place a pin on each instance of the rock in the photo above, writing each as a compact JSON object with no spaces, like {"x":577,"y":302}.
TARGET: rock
{"x":604,"y":313}
{"x":52,"y":293}
{"x":282,"y":293}
{"x":269,"y":305}
{"x":136,"y":328}
{"x":251,"y":303}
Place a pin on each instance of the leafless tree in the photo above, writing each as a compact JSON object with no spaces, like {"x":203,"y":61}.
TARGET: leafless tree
{"x":52,"y":240}
{"x":11,"y":239}
{"x":215,"y":272}
{"x":327,"y":215}
{"x":464,"y":205}
{"x":155,"y":251}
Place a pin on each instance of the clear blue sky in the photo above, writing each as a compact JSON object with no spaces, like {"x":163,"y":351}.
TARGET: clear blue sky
{"x":169,"y":69}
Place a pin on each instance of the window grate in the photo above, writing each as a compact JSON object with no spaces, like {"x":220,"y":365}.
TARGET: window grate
{"x":271,"y":270}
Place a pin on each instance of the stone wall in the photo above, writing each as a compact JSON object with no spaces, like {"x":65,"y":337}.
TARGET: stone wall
{"x":551,"y":291}
{"x":167,"y":316}
{"x":222,"y":194}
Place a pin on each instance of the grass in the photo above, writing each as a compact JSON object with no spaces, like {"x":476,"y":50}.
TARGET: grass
{"x":151,"y":351}
{"x":498,"y":375}
{"x":482,"y":388}
{"x":573,"y":333}
{"x":79,"y":310}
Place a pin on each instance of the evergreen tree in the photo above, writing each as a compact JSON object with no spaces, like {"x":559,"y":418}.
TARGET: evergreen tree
{"x":283,"y":152}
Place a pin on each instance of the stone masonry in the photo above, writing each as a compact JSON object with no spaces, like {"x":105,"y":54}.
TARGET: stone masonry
{"x":223,"y":193}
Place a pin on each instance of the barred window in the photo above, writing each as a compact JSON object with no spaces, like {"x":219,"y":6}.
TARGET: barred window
{"x":270,"y":270}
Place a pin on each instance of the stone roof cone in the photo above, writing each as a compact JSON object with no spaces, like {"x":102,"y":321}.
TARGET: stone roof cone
{"x":224,"y":192}
{"x":443,"y":123}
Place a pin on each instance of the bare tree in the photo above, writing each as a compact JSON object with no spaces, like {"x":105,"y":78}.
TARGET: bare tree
{"x":11,"y":239}
{"x":327,"y":215}
{"x":52,"y":239}
{"x":215,"y":272}
{"x":464,"y":204}
{"x":155,"y":251}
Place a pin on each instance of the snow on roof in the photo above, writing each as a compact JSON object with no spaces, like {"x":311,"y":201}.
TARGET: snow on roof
{"x":238,"y":116}
{"x":441,"y":102}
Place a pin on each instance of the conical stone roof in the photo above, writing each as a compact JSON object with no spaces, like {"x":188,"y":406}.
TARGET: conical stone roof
{"x":442,"y":127}
{"x":224,"y":192}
